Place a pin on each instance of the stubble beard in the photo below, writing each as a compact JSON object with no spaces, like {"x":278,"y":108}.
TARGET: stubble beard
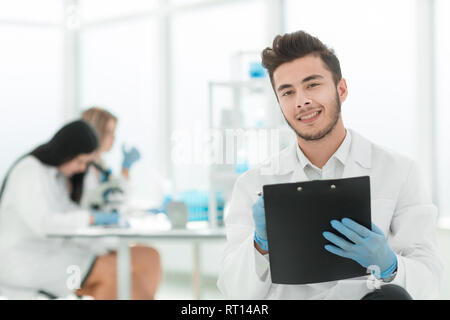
{"x":323,"y":133}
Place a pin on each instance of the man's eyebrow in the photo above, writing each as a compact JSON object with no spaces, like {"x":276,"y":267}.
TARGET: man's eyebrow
{"x":284,"y":86}
{"x":313,"y":77}
{"x":309,"y":78}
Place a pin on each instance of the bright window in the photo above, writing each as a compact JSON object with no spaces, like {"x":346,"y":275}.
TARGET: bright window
{"x":31,"y":82}
{"x":48,"y":11}
{"x":119,"y":71}
{"x":203,"y":44}
{"x":92,"y":10}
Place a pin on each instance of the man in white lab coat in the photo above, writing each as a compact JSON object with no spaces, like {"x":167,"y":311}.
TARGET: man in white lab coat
{"x":309,"y":87}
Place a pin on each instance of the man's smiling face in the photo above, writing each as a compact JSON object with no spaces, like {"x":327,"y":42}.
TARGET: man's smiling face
{"x":308,"y":96}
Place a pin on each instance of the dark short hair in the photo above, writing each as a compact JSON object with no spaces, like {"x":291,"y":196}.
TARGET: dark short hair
{"x":291,"y":46}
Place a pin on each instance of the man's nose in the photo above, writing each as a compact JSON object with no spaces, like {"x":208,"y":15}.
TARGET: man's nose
{"x":302,"y":100}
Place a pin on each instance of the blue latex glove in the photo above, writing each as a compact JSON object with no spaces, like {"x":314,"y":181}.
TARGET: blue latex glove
{"x":104,"y":175}
{"x":259,"y":216}
{"x":105,"y":218}
{"x":369,"y":248}
{"x":129,"y":157}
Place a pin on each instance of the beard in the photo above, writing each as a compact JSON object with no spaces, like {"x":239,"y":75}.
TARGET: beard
{"x":322,"y":133}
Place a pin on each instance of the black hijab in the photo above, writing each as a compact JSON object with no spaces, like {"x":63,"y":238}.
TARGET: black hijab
{"x":75,"y":138}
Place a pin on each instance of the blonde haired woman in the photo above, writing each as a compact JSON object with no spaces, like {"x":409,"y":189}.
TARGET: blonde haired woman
{"x":146,"y":266}
{"x":105,"y":124}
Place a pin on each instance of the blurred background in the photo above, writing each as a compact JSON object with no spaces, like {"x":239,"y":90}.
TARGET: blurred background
{"x":174,"y":69}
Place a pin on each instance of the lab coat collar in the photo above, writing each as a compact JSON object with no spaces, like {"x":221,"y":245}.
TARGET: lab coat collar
{"x":360,"y":153}
{"x":341,"y":153}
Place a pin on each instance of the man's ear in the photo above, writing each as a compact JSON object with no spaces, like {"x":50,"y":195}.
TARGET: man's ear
{"x":342,"y":90}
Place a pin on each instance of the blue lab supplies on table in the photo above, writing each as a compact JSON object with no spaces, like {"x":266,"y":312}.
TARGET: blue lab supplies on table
{"x":197,"y":202}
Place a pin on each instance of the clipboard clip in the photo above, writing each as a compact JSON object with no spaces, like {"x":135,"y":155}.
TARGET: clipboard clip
{"x":332,"y":187}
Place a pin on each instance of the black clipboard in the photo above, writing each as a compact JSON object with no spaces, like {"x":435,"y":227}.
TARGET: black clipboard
{"x":296,"y":216}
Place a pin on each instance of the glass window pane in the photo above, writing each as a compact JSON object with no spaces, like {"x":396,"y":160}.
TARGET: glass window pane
{"x":101,"y":9}
{"x":201,"y":54}
{"x":32,"y":10}
{"x":119,"y":66}
{"x":31,"y":99}
{"x":375,"y":43}
{"x":184,"y":2}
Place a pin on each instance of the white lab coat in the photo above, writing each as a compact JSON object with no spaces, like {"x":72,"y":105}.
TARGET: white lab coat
{"x":401,"y":207}
{"x":36,"y":200}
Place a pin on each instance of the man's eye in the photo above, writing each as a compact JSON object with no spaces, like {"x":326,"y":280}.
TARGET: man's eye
{"x":287,"y":93}
{"x":312,"y":85}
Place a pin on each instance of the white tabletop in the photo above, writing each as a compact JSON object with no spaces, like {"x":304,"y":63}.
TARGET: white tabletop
{"x":97,"y":232}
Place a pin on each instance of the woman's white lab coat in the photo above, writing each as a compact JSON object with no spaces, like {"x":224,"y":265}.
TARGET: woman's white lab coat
{"x":401,"y":207}
{"x":35,"y":200}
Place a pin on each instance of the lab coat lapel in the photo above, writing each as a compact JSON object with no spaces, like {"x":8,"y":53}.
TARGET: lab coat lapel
{"x":286,"y":166}
{"x":359,"y":161}
{"x":290,"y":163}
{"x":299,"y":175}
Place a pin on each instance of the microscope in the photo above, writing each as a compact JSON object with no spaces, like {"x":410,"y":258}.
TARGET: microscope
{"x":109,"y":195}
